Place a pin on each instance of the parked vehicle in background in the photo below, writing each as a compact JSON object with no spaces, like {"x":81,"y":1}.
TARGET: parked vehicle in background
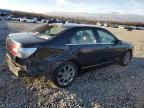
{"x":98,"y":23}
{"x":28,"y":19}
{"x":121,"y":26}
{"x":106,"y":25}
{"x":14,"y":18}
{"x":133,"y":27}
{"x":61,"y":21}
{"x":59,"y":51}
{"x":130,"y":28}
{"x":139,"y":28}
{"x":44,"y":20}
{"x":73,"y":22}
{"x":52,"y":21}
{"x":8,"y":17}
{"x":115,"y":26}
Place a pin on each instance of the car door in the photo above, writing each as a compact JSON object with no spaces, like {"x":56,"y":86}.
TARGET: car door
{"x":111,"y":49}
{"x":85,"y":48}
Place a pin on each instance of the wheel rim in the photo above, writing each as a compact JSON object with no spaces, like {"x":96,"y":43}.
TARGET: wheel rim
{"x":127,"y":58}
{"x":66,"y":75}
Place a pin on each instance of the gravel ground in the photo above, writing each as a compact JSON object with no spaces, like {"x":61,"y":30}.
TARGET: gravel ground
{"x":111,"y":86}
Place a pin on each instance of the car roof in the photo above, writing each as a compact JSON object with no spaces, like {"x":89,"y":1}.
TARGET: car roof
{"x":68,"y":26}
{"x":72,"y":25}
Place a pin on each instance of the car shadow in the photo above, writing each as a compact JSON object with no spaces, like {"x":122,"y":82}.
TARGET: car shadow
{"x":112,"y":86}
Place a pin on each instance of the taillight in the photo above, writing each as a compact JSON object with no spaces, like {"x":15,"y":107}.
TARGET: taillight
{"x":17,"y":51}
{"x":14,"y":49}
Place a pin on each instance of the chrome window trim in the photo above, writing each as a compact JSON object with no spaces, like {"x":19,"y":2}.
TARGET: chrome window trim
{"x":91,"y":44}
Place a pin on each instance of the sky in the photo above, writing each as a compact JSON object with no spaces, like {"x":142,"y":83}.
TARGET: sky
{"x":84,"y":6}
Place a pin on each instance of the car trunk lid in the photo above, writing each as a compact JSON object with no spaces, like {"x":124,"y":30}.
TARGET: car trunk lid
{"x":19,"y":40}
{"x":26,"y":38}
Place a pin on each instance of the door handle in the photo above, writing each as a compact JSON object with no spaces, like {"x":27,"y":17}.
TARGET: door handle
{"x":79,"y":50}
{"x":107,"y":48}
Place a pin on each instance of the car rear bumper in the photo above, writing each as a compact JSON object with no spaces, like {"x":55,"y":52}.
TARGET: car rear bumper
{"x":29,"y":70}
{"x":16,"y":69}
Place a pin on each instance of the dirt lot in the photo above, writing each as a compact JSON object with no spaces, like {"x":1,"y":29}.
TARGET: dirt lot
{"x":113,"y":86}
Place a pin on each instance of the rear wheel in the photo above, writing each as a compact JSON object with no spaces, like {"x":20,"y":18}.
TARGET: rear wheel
{"x":125,"y":60}
{"x":65,"y":74}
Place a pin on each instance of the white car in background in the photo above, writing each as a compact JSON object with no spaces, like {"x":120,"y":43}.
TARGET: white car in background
{"x":44,"y":21}
{"x":13,"y":18}
{"x":121,"y":26}
{"x":106,"y":25}
{"x":98,"y":23}
{"x":28,"y":19}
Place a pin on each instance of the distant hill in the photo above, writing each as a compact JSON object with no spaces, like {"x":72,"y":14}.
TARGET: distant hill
{"x":103,"y":17}
{"x":5,"y":11}
{"x":114,"y":16}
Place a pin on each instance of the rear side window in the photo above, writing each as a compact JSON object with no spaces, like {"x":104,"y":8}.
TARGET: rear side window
{"x":83,"y":37}
{"x":105,"y":37}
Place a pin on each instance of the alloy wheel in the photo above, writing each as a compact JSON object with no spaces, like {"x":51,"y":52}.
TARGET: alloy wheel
{"x":66,"y":75}
{"x":127,"y":58}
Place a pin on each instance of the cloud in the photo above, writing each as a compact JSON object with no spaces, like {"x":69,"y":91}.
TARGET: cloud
{"x":101,"y":6}
{"x":7,"y":4}
{"x":62,"y":2}
{"x":95,"y":6}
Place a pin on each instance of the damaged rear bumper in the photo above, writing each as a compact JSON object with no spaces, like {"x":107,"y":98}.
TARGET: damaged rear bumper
{"x":16,"y":69}
{"x":35,"y":70}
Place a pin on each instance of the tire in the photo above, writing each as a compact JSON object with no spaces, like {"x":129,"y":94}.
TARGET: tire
{"x":65,"y":74}
{"x":125,"y":60}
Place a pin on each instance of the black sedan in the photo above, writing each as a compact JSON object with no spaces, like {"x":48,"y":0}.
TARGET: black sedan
{"x":59,"y":51}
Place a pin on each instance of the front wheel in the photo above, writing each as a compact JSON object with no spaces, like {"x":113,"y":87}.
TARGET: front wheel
{"x":65,"y":74}
{"x":125,"y":60}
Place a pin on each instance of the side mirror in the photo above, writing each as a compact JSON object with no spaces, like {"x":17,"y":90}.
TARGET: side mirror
{"x":117,"y":42}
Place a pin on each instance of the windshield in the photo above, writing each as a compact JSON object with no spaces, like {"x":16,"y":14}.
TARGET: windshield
{"x":50,"y":30}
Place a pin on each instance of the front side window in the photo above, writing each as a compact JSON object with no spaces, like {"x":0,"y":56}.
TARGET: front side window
{"x":105,"y":37}
{"x":83,"y":37}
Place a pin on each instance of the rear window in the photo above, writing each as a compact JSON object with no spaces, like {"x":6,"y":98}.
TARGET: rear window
{"x":50,"y":30}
